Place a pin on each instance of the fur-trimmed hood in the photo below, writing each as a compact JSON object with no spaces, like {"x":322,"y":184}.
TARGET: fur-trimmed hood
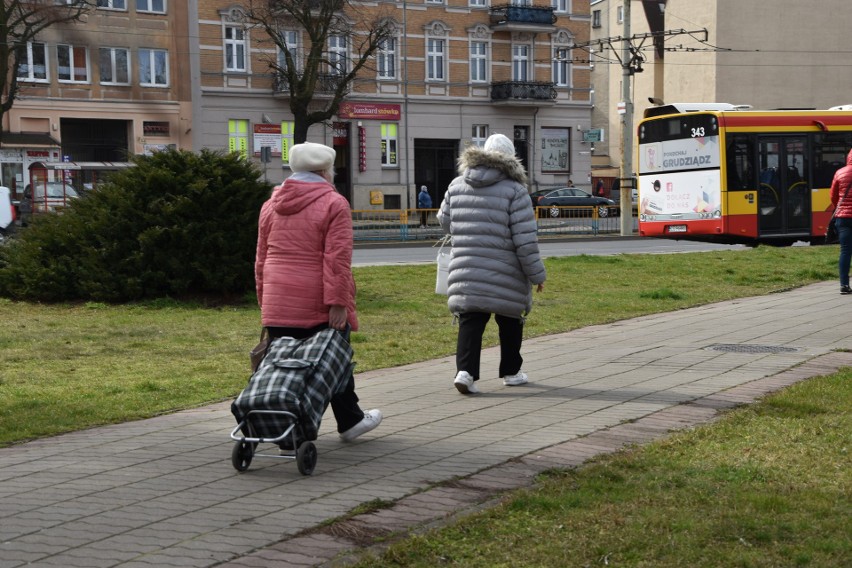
{"x":480,"y":168}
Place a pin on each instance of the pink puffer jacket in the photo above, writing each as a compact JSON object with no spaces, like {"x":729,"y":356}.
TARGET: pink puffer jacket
{"x":842,"y":181}
{"x":304,"y":256}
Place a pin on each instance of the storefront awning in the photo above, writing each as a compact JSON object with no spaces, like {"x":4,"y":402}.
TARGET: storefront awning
{"x":25,"y":139}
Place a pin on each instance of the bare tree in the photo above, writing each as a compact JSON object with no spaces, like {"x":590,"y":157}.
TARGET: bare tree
{"x":303,"y":72}
{"x":20,"y":23}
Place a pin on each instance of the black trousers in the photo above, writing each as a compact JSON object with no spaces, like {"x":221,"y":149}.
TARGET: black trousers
{"x":469,"y":345}
{"x":347,"y":413}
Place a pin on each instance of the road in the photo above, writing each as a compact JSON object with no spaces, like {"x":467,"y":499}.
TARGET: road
{"x":375,"y":255}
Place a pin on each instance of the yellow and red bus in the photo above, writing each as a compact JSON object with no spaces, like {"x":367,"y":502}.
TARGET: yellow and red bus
{"x":717,"y":172}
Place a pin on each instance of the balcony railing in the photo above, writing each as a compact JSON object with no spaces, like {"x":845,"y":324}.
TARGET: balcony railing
{"x":522,"y":90}
{"x":326,"y":84}
{"x":509,"y":14}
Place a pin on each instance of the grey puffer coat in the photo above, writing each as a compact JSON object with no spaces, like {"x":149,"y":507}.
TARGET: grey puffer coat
{"x":495,"y":258}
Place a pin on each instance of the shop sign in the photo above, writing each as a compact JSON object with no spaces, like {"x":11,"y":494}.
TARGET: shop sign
{"x":369,"y":111}
{"x":269,"y":136}
{"x":157,"y":128}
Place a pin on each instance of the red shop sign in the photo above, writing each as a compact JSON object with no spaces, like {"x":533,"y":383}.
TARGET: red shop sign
{"x":369,"y":111}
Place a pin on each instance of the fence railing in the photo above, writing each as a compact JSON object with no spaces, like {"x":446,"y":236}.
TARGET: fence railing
{"x":422,"y":225}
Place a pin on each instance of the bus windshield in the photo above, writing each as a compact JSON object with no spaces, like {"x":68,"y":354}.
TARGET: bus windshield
{"x":679,"y":168}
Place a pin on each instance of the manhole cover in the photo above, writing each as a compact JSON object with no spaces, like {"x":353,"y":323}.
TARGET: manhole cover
{"x":746,"y":348}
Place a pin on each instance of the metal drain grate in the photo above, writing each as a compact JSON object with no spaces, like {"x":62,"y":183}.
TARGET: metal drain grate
{"x":746,"y":348}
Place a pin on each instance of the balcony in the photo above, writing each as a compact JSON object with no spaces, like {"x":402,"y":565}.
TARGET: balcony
{"x":535,"y":19}
{"x":326,"y":85}
{"x":523,"y":91}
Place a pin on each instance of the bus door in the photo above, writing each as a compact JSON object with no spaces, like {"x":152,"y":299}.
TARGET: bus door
{"x":784,"y":196}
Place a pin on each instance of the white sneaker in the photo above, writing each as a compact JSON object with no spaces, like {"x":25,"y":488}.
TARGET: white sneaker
{"x":372,"y":418}
{"x":520,"y":378}
{"x":464,"y":383}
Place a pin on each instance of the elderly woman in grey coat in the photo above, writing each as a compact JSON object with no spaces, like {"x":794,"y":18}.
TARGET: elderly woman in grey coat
{"x":495,"y":258}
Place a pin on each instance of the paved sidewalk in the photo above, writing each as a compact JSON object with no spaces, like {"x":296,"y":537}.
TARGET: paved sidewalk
{"x":162,"y":492}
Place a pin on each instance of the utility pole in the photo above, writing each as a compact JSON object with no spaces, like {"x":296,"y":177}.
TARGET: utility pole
{"x":630,"y":58}
{"x":625,"y":186}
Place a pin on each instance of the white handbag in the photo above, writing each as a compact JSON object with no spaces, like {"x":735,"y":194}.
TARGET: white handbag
{"x":443,"y":267}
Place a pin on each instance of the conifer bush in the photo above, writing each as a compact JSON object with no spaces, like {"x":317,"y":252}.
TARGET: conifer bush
{"x":179,"y":224}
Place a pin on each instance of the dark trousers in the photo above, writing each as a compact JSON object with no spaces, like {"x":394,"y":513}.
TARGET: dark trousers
{"x":424,"y":218}
{"x":469,"y":345}
{"x":844,"y":234}
{"x":347,"y":413}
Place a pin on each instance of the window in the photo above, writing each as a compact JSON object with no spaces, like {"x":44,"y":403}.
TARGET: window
{"x":32,"y":62}
{"x":73,"y":64}
{"x":520,"y":62}
{"x":562,"y":6}
{"x":153,"y":67}
{"x":389,"y":142}
{"x":114,"y":63}
{"x":157,"y":6}
{"x":478,"y":61}
{"x":286,"y":141}
{"x":479,"y":135}
{"x":113,"y":4}
{"x":235,"y":48}
{"x":478,"y":3}
{"x":555,"y":150}
{"x":619,"y":14}
{"x":434,"y":1}
{"x":290,"y":39}
{"x":387,"y":58}
{"x":238,"y":137}
{"x":596,"y":18}
{"x":337,"y":55}
{"x":435,"y":59}
{"x":562,"y":67}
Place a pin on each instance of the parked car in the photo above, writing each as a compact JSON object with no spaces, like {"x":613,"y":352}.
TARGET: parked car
{"x":573,"y":197}
{"x":7,"y":211}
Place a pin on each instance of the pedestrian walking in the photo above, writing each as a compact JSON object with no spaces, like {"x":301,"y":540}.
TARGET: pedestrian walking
{"x":424,"y":203}
{"x":303,"y":267}
{"x":495,"y":257}
{"x":842,"y":202}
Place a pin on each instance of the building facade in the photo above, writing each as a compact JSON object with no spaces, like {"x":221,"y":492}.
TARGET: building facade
{"x":135,"y":76}
{"x":790,"y":56}
{"x":112,"y":85}
{"x":454,"y":72}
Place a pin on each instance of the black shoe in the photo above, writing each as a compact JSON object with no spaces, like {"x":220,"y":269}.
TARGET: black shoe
{"x":845,"y":290}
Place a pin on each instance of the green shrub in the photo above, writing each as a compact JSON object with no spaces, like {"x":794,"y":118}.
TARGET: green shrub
{"x":178,"y":224}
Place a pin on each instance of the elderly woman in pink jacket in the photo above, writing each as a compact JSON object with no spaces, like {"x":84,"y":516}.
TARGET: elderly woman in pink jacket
{"x":303,"y":266}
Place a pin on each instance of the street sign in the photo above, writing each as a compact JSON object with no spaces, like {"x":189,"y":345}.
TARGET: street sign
{"x":622,"y":107}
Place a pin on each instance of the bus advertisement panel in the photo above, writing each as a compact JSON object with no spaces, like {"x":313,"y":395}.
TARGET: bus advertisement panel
{"x":680,"y":179}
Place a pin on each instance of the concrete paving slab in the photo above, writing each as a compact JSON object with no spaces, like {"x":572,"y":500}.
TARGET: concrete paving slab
{"x":163,"y":492}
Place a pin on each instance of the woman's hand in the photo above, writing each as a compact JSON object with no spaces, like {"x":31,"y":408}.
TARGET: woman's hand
{"x":540,"y":287}
{"x":337,"y":317}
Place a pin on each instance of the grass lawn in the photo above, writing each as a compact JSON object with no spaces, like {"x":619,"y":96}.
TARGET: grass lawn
{"x":66,"y":367}
{"x":768,"y":485}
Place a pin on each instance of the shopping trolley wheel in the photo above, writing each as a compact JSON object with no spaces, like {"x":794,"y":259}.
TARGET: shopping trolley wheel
{"x":306,"y":458}
{"x":241,"y":455}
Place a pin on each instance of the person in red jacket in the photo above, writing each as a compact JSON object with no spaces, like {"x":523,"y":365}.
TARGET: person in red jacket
{"x":841,"y":200}
{"x":303,"y":267}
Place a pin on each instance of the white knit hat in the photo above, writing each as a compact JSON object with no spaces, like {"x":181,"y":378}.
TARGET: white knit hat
{"x":311,"y":157}
{"x":500,"y":144}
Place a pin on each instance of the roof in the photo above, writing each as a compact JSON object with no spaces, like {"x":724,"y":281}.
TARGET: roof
{"x":27,"y":139}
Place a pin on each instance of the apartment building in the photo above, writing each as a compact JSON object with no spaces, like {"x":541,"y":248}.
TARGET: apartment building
{"x":114,"y":84}
{"x":793,"y":55}
{"x":454,"y":72}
